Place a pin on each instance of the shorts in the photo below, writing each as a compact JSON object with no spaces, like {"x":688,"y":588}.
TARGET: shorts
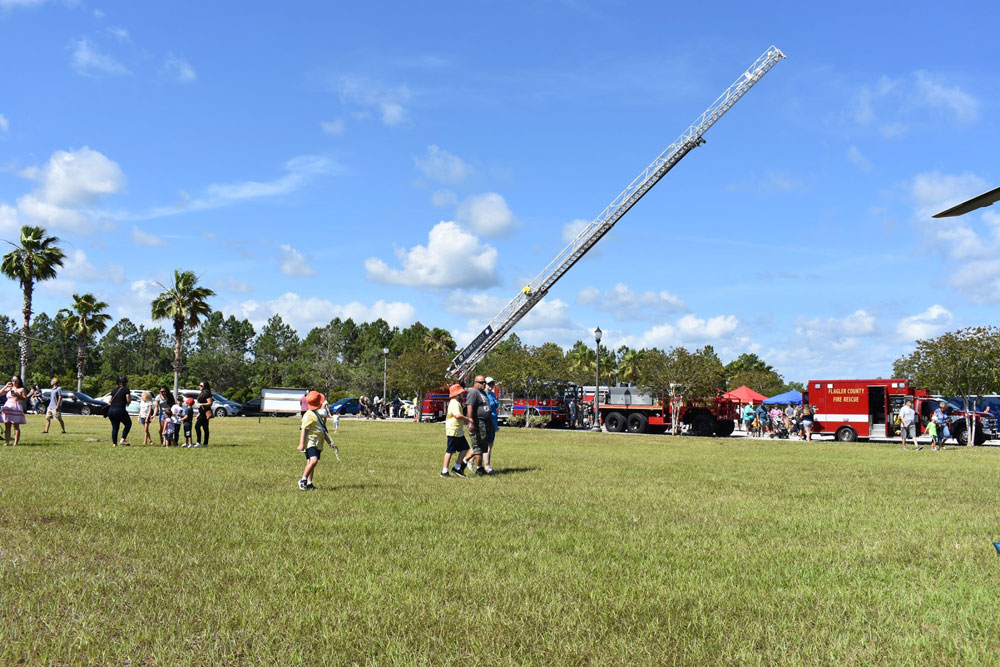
{"x":313,"y":453}
{"x":481,"y":441}
{"x":908,"y":431}
{"x":187,"y":430}
{"x":53,"y":413}
{"x":807,"y":423}
{"x":163,"y":417}
{"x":457,"y":444}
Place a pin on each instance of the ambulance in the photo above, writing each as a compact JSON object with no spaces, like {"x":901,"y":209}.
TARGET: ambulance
{"x":861,"y":409}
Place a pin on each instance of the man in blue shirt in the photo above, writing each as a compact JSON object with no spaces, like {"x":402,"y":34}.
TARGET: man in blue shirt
{"x":55,"y":404}
{"x":491,"y":396}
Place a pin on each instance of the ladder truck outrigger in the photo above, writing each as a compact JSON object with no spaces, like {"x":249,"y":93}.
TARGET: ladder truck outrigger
{"x":535,"y":291}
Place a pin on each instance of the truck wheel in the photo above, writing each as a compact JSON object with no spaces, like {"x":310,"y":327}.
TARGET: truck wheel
{"x":703,"y":426}
{"x":846,"y":434}
{"x":724,"y":427}
{"x":637,"y":423}
{"x":615,"y":422}
{"x":962,"y":435}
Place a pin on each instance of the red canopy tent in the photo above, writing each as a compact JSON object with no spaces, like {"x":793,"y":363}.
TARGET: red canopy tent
{"x":744,"y":395}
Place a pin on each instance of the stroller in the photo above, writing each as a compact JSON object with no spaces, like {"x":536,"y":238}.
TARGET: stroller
{"x":778,"y":428}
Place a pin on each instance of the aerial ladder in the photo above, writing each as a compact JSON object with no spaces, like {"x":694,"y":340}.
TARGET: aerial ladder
{"x":535,"y":291}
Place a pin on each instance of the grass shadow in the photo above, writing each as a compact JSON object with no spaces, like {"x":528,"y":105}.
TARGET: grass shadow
{"x":511,"y":471}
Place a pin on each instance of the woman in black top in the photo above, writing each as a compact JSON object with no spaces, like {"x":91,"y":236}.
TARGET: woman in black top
{"x":120,"y":398}
{"x":204,"y":405}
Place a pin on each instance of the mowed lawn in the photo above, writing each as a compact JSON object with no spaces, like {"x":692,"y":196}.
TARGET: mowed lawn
{"x":586,"y":549}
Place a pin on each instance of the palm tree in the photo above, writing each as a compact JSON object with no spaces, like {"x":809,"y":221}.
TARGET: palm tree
{"x":34,"y":260}
{"x":184,"y":303}
{"x":85,"y":319}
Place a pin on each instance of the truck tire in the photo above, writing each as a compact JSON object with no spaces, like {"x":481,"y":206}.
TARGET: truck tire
{"x":846,"y":434}
{"x":637,"y":423}
{"x":724,"y":427}
{"x":703,"y":426}
{"x":614,"y":422}
{"x":962,"y":437}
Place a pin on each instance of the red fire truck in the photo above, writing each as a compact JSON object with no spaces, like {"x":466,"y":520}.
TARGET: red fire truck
{"x":628,"y":408}
{"x":853,"y":409}
{"x":548,"y":399}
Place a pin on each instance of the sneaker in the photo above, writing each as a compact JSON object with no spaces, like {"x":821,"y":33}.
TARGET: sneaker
{"x":934,"y":448}
{"x":310,"y":486}
{"x":458,"y":472}
{"x":489,"y":471}
{"x":481,"y":472}
{"x":302,"y":485}
{"x":444,"y":474}
{"x":919,"y":447}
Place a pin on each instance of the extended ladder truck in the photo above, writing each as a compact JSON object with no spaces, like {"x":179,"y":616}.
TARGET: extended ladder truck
{"x":535,"y":291}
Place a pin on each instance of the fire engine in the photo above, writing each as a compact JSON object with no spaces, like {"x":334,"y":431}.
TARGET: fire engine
{"x":535,"y":291}
{"x":628,"y":408}
{"x":547,"y":399}
{"x":853,"y":409}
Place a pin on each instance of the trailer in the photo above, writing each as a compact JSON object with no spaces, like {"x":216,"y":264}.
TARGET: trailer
{"x":852,"y":410}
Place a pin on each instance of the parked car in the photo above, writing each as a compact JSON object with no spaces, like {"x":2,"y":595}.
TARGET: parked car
{"x":346,"y":406}
{"x":406,"y":408}
{"x":76,"y":403}
{"x":252,"y":409}
{"x":221,"y":405}
{"x":133,"y":407}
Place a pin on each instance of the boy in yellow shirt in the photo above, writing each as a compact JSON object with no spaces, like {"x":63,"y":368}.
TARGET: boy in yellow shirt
{"x":312,"y":436}
{"x":454,"y":429}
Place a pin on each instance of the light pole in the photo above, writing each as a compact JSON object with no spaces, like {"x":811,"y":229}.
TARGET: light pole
{"x":597,"y":387}
{"x":385,"y":370}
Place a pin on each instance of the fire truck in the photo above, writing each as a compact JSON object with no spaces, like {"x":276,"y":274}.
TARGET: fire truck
{"x":862,"y":409}
{"x":627,"y":408}
{"x":548,"y":399}
{"x":536,"y":290}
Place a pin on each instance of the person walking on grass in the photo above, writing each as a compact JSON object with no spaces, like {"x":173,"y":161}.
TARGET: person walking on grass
{"x":940,"y":418}
{"x":118,"y":414}
{"x":454,"y":431}
{"x":146,"y":416}
{"x":187,"y":419}
{"x":311,"y":437}
{"x":161,"y":406}
{"x":491,"y":397}
{"x":12,"y":413}
{"x":908,"y":424}
{"x":54,"y":410}
{"x":204,"y":406}
{"x":477,"y":407}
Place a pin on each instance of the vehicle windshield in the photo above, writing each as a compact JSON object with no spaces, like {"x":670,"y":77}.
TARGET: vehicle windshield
{"x":81,"y":395}
{"x":219,"y":398}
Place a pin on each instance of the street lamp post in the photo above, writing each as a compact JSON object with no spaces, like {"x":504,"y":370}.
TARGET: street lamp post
{"x":597,"y":386}
{"x":385,"y":370}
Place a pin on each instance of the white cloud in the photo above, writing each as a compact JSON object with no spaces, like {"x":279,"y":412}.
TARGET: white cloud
{"x":443,"y":198}
{"x":9,"y":221}
{"x":573,"y":228}
{"x":179,"y":69}
{"x":387,"y":101}
{"x":121,"y":34}
{"x":304,"y":313}
{"x":140,"y":237}
{"x":293,"y":263}
{"x":299,"y":171}
{"x":933,"y":321}
{"x":487,"y":214}
{"x":688,"y":330}
{"x":625,"y":303}
{"x":933,"y":192}
{"x":441,"y":166}
{"x":231,"y":284}
{"x":857,"y":158}
{"x":69,"y":183}
{"x":88,"y":61}
{"x":858,"y":323}
{"x":4,"y":123}
{"x":452,"y":258}
{"x":335,"y":126}
{"x":76,"y":266}
{"x":478,"y":305}
{"x":935,"y":94}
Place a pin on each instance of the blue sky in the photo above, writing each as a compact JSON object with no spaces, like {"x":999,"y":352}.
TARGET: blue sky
{"x":421,"y":161}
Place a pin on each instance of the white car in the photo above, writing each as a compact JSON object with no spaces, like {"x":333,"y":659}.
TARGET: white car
{"x":133,"y":407}
{"x":221,"y":406}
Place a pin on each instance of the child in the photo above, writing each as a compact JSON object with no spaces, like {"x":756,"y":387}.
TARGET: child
{"x":186,"y":420}
{"x":146,"y":415}
{"x":932,"y":431}
{"x":454,"y":430}
{"x":176,"y":412}
{"x":311,"y":437}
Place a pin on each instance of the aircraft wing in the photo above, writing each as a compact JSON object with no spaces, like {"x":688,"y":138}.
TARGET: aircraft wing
{"x":984,"y":199}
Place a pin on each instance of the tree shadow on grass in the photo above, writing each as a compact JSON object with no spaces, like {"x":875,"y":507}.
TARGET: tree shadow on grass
{"x":510,"y":471}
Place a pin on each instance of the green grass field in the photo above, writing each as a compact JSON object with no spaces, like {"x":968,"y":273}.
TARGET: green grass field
{"x":586,"y":549}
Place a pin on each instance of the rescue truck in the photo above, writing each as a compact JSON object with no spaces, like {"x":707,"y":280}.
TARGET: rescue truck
{"x":550,"y":399}
{"x":627,"y":408}
{"x":861,"y":409}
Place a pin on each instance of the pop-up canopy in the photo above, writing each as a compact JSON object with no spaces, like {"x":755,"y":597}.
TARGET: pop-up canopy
{"x":744,"y":395}
{"x":789,"y":397}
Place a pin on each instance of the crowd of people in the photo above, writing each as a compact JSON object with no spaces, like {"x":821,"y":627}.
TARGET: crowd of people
{"x":759,"y":421}
{"x":172,"y":414}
